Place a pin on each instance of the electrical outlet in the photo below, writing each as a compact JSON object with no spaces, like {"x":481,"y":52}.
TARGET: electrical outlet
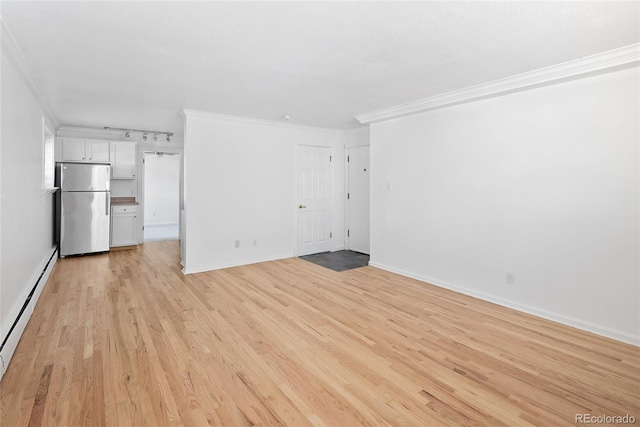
{"x":510,"y":278}
{"x":255,"y":242}
{"x":388,"y":186}
{"x":237,"y":244}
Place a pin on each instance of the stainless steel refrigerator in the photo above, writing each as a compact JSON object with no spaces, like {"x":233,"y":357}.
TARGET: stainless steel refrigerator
{"x":83,"y":207}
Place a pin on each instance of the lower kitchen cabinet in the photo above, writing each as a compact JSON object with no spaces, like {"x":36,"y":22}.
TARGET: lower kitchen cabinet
{"x":124,"y":225}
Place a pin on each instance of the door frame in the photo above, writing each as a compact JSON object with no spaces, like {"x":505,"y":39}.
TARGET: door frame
{"x":346,"y":191}
{"x":331,"y":202}
{"x":142,"y":149}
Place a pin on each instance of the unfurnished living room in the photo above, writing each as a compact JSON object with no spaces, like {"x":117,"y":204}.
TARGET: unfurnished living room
{"x":320,"y":213}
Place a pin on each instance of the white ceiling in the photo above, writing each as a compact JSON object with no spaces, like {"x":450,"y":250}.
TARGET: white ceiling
{"x":138,"y":64}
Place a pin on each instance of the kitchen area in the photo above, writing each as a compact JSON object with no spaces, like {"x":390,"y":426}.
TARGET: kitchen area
{"x":100,"y":176}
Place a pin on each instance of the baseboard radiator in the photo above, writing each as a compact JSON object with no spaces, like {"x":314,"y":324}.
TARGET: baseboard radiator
{"x":10,"y":341}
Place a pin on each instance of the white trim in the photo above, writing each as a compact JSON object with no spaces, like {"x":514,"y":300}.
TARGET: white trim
{"x":83,"y":131}
{"x":162,"y":224}
{"x":628,"y":56}
{"x":48,"y":134}
{"x":238,"y":264}
{"x":11,"y":344}
{"x":195,"y":113}
{"x":360,"y":143}
{"x":294,"y":198}
{"x":17,"y":59}
{"x":556,"y":317}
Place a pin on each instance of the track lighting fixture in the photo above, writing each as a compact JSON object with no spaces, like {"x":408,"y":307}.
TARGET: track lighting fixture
{"x":145,"y":133}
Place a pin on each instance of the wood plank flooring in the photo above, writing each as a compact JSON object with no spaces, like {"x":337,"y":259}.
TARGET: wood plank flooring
{"x":124,"y":339}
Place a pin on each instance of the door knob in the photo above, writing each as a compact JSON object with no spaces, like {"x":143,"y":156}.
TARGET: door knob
{"x":301,"y":206}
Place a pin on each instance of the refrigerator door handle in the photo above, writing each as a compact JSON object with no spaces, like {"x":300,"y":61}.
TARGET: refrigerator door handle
{"x":108,"y":200}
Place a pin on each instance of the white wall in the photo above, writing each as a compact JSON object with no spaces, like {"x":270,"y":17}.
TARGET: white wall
{"x":357,"y":137}
{"x":27,"y":237}
{"x":162,"y":189}
{"x":542,"y":183}
{"x":239,"y":185}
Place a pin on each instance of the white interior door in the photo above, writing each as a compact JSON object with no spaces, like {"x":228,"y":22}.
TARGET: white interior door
{"x":314,"y":199}
{"x":358,"y":199}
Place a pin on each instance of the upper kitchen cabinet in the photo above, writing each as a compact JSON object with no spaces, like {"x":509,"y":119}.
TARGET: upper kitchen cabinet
{"x":123,"y":160}
{"x":73,"y":149}
{"x":85,"y":150}
{"x":98,"y":151}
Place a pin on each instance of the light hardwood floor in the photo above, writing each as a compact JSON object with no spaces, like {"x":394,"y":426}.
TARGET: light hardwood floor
{"x":125,"y":339}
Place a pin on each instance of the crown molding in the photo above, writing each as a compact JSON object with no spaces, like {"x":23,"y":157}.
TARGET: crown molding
{"x":613,"y":60}
{"x":194,"y":113}
{"x":86,"y":130}
{"x":17,"y":59}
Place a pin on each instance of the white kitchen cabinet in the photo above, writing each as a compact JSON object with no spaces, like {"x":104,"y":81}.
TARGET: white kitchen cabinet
{"x":123,"y":160}
{"x":123,"y":225}
{"x":73,"y":149}
{"x":85,"y":150}
{"x":97,"y":151}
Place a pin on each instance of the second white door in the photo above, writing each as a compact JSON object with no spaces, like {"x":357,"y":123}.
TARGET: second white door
{"x":358,"y":199}
{"x":314,"y":199}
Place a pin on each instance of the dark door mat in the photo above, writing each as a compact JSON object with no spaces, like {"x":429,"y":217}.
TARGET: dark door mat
{"x":339,"y":260}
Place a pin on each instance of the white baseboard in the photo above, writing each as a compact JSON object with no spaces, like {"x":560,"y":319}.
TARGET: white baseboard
{"x":161,"y":224}
{"x":236,"y":264}
{"x":12,"y":342}
{"x":556,"y":317}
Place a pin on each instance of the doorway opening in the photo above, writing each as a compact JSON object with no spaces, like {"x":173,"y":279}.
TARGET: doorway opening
{"x":161,"y":196}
